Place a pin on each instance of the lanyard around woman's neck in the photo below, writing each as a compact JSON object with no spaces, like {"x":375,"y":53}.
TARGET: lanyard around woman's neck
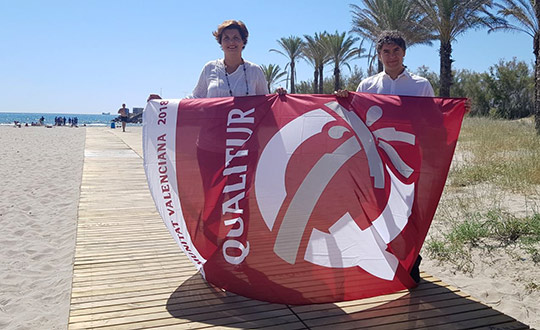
{"x":227,"y":77}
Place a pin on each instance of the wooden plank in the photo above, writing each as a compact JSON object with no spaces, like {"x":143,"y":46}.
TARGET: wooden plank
{"x":225,"y":317}
{"x":179,"y":310}
{"x":197,"y":301}
{"x":484,"y":319}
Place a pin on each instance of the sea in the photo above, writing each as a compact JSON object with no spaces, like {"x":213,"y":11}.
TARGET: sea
{"x":8,"y":118}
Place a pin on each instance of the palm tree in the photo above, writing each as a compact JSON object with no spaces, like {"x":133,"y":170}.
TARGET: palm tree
{"x":273,"y":74}
{"x":316,"y":54}
{"x":379,"y":15}
{"x":526,"y":13}
{"x":292,"y":49}
{"x":341,"y":50}
{"x":450,"y":18}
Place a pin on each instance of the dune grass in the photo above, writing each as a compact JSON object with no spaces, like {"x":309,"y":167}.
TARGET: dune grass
{"x":504,"y":153}
{"x":490,"y":230}
{"x":496,"y":158}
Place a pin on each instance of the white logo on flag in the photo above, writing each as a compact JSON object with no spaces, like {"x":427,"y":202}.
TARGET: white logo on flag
{"x":346,"y":244}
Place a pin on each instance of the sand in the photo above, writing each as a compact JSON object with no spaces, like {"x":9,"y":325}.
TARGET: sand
{"x":41,"y":170}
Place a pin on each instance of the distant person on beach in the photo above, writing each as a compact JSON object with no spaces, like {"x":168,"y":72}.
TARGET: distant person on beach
{"x":232,"y":75}
{"x":123,"y":116}
{"x":394,"y":80}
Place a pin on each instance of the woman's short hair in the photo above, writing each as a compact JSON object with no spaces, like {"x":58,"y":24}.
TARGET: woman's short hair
{"x":390,"y":37}
{"x":232,"y":24}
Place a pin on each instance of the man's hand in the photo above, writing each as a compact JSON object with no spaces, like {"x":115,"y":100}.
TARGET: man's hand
{"x":467,"y":106}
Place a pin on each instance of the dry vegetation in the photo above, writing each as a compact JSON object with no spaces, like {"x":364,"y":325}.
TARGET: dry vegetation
{"x":485,"y":237}
{"x":492,"y":198}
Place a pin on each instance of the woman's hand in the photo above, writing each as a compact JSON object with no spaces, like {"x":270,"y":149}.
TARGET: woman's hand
{"x":153,"y":97}
{"x":341,"y":93}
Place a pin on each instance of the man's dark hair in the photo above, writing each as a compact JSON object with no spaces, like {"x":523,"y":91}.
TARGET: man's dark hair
{"x":390,"y":37}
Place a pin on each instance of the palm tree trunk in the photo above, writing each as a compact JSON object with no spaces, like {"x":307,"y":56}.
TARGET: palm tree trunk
{"x":445,"y":53}
{"x":316,"y":81}
{"x":336,"y":78}
{"x":321,"y":90}
{"x":293,"y":90}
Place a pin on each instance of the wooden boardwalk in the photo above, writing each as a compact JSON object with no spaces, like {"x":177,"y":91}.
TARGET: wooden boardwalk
{"x":130,"y":274}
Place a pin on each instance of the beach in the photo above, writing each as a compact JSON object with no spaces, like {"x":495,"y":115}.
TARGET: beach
{"x":41,"y":171}
{"x":41,"y":176}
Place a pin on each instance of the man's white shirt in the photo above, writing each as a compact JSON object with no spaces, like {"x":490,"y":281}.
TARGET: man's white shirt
{"x":406,"y":84}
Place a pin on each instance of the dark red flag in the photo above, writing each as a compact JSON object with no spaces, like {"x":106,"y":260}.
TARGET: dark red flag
{"x":301,"y":199}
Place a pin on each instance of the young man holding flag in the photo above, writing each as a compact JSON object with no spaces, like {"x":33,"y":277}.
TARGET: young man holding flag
{"x":394,"y":80}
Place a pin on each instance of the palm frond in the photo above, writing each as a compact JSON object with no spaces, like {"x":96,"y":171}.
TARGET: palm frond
{"x":520,"y":11}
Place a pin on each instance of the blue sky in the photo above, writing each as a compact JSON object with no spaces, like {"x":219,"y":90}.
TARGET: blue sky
{"x":92,"y":56}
